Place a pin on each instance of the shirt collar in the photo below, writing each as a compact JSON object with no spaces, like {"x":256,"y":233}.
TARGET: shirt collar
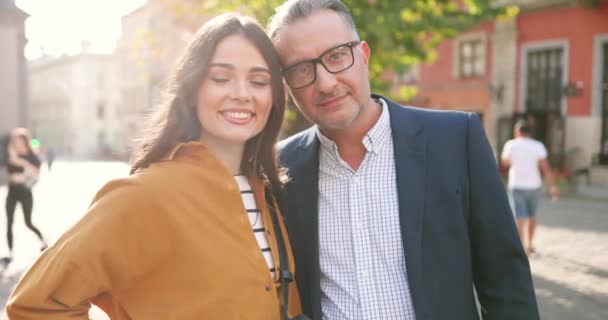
{"x":375,"y":138}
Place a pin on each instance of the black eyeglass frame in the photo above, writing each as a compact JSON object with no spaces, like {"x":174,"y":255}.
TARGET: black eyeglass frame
{"x":319,"y":60}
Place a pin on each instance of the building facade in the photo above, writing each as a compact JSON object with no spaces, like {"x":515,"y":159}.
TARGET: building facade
{"x":548,"y":65}
{"x":74,"y":102}
{"x":13,"y":77}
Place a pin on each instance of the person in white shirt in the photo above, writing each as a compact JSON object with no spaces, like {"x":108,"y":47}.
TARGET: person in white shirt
{"x":525,"y":158}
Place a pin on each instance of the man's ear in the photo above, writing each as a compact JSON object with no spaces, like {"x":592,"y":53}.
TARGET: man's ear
{"x":366,"y":51}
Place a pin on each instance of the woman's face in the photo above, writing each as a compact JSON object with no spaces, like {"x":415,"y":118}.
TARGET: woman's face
{"x":235,"y":97}
{"x":18,"y":144}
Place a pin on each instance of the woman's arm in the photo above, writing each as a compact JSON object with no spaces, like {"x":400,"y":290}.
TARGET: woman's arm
{"x":14,"y":159}
{"x":93,"y":258}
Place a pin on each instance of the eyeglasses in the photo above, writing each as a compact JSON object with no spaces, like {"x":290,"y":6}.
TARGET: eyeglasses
{"x":334,"y":60}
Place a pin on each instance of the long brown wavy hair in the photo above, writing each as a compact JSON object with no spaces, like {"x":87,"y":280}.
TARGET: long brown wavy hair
{"x":176,"y":119}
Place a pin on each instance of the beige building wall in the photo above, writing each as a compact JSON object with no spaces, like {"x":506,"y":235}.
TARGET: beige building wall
{"x":50,"y":102}
{"x":504,"y":61}
{"x":581,"y":135}
{"x":9,"y":89}
{"x":12,"y":75}
{"x":74,"y":105}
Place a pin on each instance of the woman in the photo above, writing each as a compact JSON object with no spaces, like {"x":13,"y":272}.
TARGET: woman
{"x":23,"y":168}
{"x":174,"y":240}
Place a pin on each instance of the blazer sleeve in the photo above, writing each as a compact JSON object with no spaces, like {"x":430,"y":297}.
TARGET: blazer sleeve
{"x":501,"y":271}
{"x":118,"y":240}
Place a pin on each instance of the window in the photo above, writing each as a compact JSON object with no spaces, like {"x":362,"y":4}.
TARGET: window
{"x":470,"y":56}
{"x":101,"y":110}
{"x":101,"y":139}
{"x":100,"y":81}
{"x":471,"y":59}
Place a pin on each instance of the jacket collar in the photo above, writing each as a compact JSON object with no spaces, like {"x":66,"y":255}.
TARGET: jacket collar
{"x":184,"y":149}
{"x":410,"y":151}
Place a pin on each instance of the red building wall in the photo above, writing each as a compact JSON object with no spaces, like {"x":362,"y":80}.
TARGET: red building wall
{"x":438,"y":86}
{"x":576,"y":25}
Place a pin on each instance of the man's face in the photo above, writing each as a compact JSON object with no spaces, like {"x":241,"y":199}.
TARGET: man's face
{"x":334,"y":100}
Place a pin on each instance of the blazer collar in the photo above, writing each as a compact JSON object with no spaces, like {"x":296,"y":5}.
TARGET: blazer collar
{"x":305,"y":173}
{"x":410,"y":151}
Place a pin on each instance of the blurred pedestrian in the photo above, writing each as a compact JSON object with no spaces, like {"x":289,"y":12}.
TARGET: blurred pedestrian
{"x":193,"y":232}
{"x":50,"y":156}
{"x":393,"y":212}
{"x":23,"y":169}
{"x":526,"y":158}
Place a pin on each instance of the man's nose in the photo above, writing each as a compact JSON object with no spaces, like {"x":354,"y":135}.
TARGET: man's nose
{"x":326,"y":81}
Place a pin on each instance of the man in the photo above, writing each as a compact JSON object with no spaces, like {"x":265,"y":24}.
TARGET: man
{"x":392,"y":212}
{"x":525,"y":156}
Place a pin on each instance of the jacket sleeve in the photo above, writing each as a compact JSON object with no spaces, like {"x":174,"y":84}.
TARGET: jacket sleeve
{"x":118,"y":240}
{"x":500,"y":267}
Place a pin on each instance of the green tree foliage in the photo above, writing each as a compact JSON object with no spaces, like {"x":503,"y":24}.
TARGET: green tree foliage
{"x":400,"y":33}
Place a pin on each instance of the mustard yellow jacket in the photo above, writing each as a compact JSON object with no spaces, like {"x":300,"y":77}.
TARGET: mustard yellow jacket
{"x":172,"y":241}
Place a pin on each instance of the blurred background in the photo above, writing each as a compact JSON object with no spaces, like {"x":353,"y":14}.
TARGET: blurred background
{"x":82,"y":76}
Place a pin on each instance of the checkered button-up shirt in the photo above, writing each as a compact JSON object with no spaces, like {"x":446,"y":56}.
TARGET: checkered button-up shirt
{"x":363,"y":272}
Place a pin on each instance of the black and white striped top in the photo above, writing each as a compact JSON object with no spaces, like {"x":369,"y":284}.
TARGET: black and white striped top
{"x":255,"y":218}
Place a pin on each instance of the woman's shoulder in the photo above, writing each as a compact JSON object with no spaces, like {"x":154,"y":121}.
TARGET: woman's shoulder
{"x":136,"y":194}
{"x":149,"y":182}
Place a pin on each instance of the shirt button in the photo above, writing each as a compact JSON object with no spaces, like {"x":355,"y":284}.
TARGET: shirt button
{"x":267,"y":287}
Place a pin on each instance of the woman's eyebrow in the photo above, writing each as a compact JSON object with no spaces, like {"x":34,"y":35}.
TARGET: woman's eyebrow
{"x":232,"y":67}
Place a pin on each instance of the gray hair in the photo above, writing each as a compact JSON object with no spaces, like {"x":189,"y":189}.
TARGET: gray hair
{"x":292,"y":10}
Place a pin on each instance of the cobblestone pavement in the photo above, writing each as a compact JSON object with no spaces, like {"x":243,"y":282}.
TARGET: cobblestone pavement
{"x":570,"y":269}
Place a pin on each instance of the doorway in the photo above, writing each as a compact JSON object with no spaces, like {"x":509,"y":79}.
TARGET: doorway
{"x":603,"y":156}
{"x":543,"y":102}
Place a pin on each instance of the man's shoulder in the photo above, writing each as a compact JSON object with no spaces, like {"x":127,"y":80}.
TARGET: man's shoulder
{"x":300,"y":139}
{"x":399,"y":110}
{"x":529,"y":142}
{"x":436,"y":123}
{"x":526,"y":145}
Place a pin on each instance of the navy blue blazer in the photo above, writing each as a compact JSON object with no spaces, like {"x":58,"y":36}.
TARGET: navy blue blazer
{"x":458,"y":231}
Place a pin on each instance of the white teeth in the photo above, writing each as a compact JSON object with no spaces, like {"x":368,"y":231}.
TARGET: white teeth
{"x":239,"y":115}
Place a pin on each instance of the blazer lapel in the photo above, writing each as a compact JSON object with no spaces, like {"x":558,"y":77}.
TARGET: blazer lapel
{"x":306,"y":178}
{"x":409,"y":144}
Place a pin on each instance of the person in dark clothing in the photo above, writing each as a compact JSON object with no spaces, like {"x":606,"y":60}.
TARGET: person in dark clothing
{"x":50,"y":157}
{"x":23,"y":167}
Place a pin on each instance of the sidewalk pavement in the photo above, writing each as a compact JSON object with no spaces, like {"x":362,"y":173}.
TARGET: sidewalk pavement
{"x":570,"y":268}
{"x":591,"y":192}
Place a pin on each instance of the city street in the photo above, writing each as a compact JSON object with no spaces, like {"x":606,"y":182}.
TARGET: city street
{"x":570,"y":267}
